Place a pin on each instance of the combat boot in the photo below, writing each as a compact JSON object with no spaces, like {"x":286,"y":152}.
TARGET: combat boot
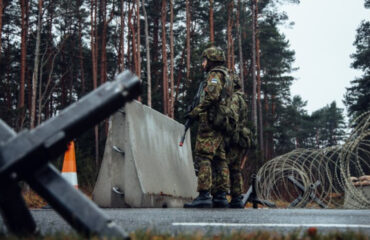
{"x":204,"y":200}
{"x":219,"y":200}
{"x":236,"y":202}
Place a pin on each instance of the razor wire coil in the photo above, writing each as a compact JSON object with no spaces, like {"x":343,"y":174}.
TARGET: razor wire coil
{"x":341,"y":173}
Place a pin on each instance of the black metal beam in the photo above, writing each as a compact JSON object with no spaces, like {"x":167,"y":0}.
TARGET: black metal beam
{"x":79,"y":211}
{"x":25,"y":157}
{"x":251,"y":196}
{"x":303,"y":191}
{"x":30,"y":149}
{"x":13,"y":208}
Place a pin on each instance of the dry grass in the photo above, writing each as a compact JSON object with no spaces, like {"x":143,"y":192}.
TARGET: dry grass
{"x":33,"y":200}
{"x":310,"y":234}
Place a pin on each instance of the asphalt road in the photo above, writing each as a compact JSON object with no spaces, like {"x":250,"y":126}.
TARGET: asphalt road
{"x":213,"y":221}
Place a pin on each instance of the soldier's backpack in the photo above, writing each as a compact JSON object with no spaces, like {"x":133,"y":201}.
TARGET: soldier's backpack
{"x":221,"y":116}
{"x":243,"y":135}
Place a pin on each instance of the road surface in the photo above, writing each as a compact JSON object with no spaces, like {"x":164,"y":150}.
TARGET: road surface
{"x":214,"y":221}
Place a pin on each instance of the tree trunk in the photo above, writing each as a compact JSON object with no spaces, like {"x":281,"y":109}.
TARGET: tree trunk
{"x":44,"y":98}
{"x":94,"y":59}
{"x":51,"y":107}
{"x":128,"y":52}
{"x":211,"y":23}
{"x":230,"y":7}
{"x":29,"y":89}
{"x":148,"y":70}
{"x":63,"y":82}
{"x":1,"y":21}
{"x":138,"y":72}
{"x":232,"y":54}
{"x":259,"y":85}
{"x":94,"y":42}
{"x":39,"y":103}
{"x":121,"y":49}
{"x":241,"y":61}
{"x":188,"y":50}
{"x":246,"y":71}
{"x":266,"y":125}
{"x":133,"y":41}
{"x":103,"y":44}
{"x":8,"y":78}
{"x":164,"y":59}
{"x":260,"y":119}
{"x":270,"y":140}
{"x":81,"y":59}
{"x":35,"y":74}
{"x":103,"y":63}
{"x":317,"y":139}
{"x":254,"y":106}
{"x":172,"y":87}
{"x":273,"y":112}
{"x":45,"y":61}
{"x":155,"y":51}
{"x":24,"y":26}
{"x":179,"y":76}
{"x":47,"y":94}
{"x":138,"y":45}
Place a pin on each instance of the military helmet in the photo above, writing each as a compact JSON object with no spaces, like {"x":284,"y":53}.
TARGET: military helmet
{"x":214,"y":54}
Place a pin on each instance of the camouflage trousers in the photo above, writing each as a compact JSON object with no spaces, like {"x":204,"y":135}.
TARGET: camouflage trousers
{"x":211,"y":158}
{"x":234,"y":157}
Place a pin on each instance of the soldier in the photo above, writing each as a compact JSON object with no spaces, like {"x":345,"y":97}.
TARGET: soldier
{"x":209,"y":147}
{"x":237,"y":144}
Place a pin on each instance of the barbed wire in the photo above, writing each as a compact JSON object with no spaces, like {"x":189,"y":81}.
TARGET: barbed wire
{"x":338,"y":176}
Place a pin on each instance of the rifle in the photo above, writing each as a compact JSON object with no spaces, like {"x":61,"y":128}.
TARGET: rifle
{"x":244,"y":159}
{"x":195,"y":103}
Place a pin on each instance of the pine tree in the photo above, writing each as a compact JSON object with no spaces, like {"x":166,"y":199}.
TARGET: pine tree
{"x":357,"y":97}
{"x":329,"y":125}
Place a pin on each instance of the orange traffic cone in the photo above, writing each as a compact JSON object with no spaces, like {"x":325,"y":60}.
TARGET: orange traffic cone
{"x":69,"y":170}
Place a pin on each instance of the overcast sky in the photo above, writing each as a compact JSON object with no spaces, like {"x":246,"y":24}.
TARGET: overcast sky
{"x":322,"y":38}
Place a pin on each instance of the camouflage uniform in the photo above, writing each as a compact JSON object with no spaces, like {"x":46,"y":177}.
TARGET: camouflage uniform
{"x":234,"y":152}
{"x":209,"y":147}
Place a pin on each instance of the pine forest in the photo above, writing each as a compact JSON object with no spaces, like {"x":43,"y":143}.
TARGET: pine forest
{"x":54,"y":52}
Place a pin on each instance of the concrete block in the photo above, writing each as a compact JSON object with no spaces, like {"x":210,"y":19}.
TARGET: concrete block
{"x":143,"y":165}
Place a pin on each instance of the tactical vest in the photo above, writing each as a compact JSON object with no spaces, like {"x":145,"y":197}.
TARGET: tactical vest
{"x":221,"y":117}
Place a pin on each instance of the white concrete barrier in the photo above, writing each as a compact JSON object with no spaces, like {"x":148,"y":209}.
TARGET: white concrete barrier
{"x":143,"y":165}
